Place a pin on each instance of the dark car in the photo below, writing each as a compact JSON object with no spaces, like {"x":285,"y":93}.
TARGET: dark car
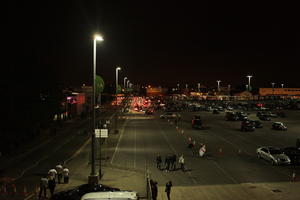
{"x":231,"y":116}
{"x":256,"y":123}
{"x":149,"y":112}
{"x":77,"y":192}
{"x":247,"y":126}
{"x":279,"y":126}
{"x":196,"y":122}
{"x":264,"y":118}
{"x":241,"y":116}
{"x":215,"y":111}
{"x":293,"y":153}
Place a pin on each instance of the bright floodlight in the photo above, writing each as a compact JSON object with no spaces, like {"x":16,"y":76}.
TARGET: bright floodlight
{"x":99,"y":38}
{"x":118,"y":68}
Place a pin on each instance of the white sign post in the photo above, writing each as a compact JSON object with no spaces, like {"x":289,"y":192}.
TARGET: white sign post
{"x":104,"y":133}
{"x":97,"y":133}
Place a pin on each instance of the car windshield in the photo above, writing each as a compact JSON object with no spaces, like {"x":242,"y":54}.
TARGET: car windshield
{"x":275,"y":151}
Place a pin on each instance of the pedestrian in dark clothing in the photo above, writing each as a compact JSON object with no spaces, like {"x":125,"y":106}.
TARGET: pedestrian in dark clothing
{"x":173,"y":162}
{"x":167,"y":163}
{"x":158,"y":161}
{"x":298,"y":143}
{"x":51,"y":185}
{"x":154,"y":190}
{"x":43,"y":187}
{"x":168,"y":189}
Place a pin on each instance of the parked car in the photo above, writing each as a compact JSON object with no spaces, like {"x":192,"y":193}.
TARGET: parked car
{"x":264,"y":118}
{"x":149,"y":112}
{"x":279,"y":126}
{"x":241,"y":116}
{"x":215,"y":111}
{"x":115,"y":195}
{"x":77,"y":192}
{"x":293,"y":153}
{"x":256,"y":123}
{"x":170,"y":115}
{"x":274,"y":155}
{"x":231,"y":116}
{"x":247,"y":126}
{"x":197,"y":122}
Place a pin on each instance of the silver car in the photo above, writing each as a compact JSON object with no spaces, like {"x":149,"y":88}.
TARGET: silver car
{"x":274,"y":155}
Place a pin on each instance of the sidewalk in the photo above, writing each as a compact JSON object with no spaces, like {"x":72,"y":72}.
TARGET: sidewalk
{"x":245,"y":191}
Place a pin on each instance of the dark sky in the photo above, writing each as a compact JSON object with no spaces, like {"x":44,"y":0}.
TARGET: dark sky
{"x":154,"y":43}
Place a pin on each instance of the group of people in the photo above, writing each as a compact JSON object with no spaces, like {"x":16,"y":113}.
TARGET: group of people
{"x":170,"y":162}
{"x":49,"y":180}
{"x":192,"y":146}
{"x":154,"y":189}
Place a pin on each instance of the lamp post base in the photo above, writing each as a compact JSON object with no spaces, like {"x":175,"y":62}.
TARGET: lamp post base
{"x":93,"y":179}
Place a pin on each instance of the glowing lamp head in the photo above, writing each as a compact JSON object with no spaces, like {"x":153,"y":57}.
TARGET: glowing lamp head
{"x":98,"y":38}
{"x":118,"y":68}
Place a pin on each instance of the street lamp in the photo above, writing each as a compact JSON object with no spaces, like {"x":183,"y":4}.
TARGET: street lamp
{"x":93,"y":178}
{"x":218,"y":81}
{"x":282,"y":85}
{"x":273,"y":84}
{"x":125,"y":83}
{"x":117,"y":69}
{"x":229,"y":89}
{"x":249,"y":86}
{"x":199,"y":87}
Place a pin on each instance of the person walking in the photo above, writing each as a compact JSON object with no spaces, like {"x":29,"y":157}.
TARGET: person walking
{"x":59,"y":170}
{"x":167,"y":163}
{"x":154,"y":189}
{"x":43,"y":186}
{"x":158,"y":161}
{"x":202,"y":150}
{"x":168,"y":189}
{"x":51,"y":185}
{"x":52,"y":173}
{"x":181,"y":162}
{"x":66,"y":175}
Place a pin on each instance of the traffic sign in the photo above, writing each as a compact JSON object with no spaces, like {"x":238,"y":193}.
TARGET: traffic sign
{"x":104,"y":133}
{"x":97,"y":133}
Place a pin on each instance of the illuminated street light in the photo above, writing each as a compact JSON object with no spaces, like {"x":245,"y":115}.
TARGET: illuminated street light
{"x":199,"y":87}
{"x":117,"y":69}
{"x":93,"y":178}
{"x":218,"y":81}
{"x":249,"y":86}
{"x":125,"y":83}
{"x":282,"y":85}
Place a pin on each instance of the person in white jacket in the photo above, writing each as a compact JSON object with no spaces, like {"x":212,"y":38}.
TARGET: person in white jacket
{"x":202,"y":150}
{"x":181,"y":162}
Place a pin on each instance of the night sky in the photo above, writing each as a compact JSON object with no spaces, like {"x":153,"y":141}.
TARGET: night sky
{"x":155,"y":43}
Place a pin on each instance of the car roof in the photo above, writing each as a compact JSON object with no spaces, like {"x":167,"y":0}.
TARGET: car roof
{"x":128,"y":195}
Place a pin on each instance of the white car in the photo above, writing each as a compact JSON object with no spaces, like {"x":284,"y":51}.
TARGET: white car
{"x":170,"y":115}
{"x":274,"y":155}
{"x":115,"y":195}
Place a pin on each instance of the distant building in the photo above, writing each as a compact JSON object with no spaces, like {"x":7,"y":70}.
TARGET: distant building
{"x":281,"y":92}
{"x":156,"y":91}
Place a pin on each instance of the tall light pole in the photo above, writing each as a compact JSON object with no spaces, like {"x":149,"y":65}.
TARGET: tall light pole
{"x":282,"y":85}
{"x":93,"y":178}
{"x":199,"y":87}
{"x":273,"y":84}
{"x":218,"y":81}
{"x":249,"y":86}
{"x":125,"y":83}
{"x":117,"y":69}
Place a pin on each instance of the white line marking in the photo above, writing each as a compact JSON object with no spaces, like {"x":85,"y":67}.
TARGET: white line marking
{"x":116,"y":149}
